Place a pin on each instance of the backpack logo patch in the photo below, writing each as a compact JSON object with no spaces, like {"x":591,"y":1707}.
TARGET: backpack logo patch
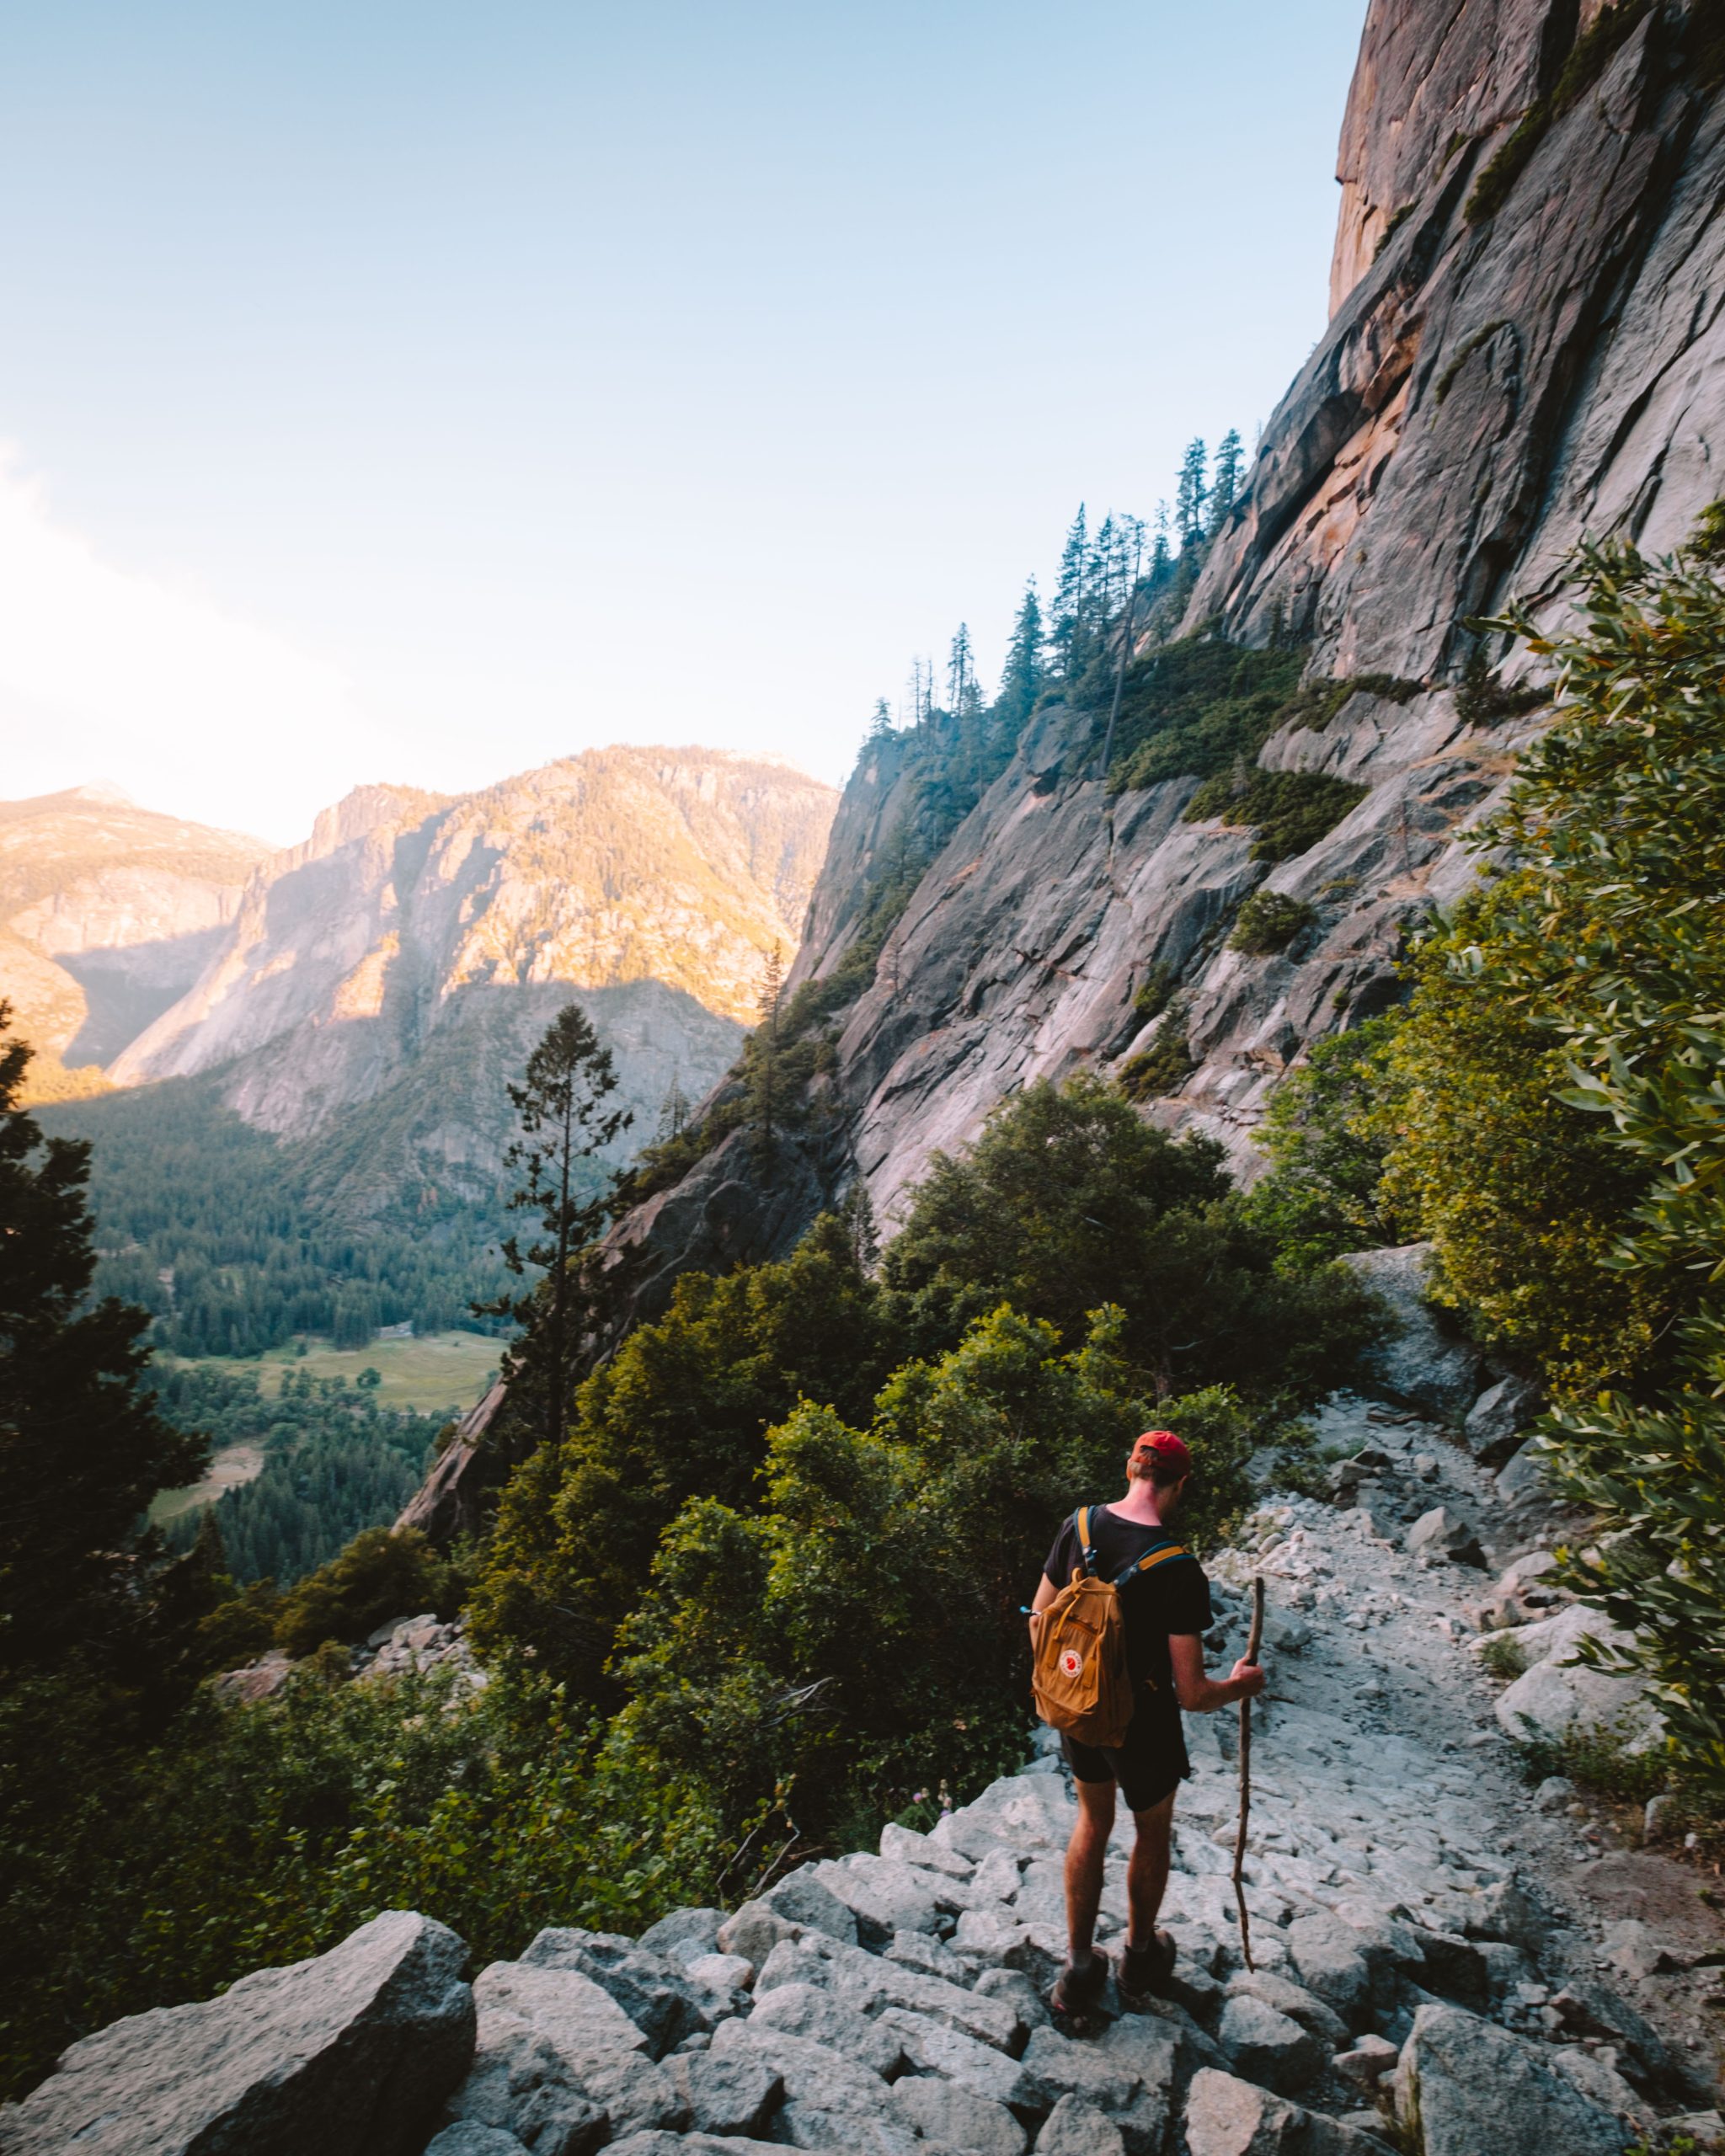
{"x":1071,"y":1661}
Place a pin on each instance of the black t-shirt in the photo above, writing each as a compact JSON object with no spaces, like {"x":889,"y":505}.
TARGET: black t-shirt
{"x":1171,"y":1596}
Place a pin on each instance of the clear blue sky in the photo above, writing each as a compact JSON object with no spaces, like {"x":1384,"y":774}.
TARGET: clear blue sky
{"x":424,"y":392}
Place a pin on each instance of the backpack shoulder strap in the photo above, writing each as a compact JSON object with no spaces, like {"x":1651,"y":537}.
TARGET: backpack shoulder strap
{"x":1164,"y":1553}
{"x":1080,"y":1520}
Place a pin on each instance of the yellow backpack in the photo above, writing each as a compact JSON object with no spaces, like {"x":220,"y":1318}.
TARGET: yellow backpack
{"x":1078,"y":1676}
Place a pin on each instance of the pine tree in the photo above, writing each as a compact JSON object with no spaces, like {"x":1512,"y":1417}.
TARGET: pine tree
{"x":1225,"y":480}
{"x":961,"y":671}
{"x":1070,"y":596}
{"x":673,"y":1112}
{"x":1161,"y":556}
{"x":1190,"y":495}
{"x":880,"y":727}
{"x":82,"y":1450}
{"x":766,"y":1047}
{"x":1024,"y":673}
{"x":564,"y":1121}
{"x":857,"y":1217}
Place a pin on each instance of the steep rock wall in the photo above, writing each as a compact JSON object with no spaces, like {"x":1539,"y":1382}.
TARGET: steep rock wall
{"x":1491,"y":387}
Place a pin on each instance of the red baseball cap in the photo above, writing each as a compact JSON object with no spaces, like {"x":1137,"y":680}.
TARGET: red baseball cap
{"x":1169,"y":1446}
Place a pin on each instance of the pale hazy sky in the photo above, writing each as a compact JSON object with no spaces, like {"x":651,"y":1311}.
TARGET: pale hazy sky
{"x":424,"y":391}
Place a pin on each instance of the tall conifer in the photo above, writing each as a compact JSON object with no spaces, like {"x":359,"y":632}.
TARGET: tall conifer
{"x":81,"y":1452}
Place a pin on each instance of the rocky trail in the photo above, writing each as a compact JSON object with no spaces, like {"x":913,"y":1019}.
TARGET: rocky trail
{"x":1447,"y":1961}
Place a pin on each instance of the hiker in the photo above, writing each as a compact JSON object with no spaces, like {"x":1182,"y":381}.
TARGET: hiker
{"x":1164,"y":1610}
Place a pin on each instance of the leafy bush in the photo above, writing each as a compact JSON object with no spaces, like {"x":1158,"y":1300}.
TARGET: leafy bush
{"x":1154,"y":993}
{"x":1504,"y":1656}
{"x":260,"y":1834}
{"x":1269,"y":922}
{"x":1068,"y":1201}
{"x":1292,"y":810}
{"x":682,"y":1409}
{"x":1482,"y":700}
{"x":1326,"y":1134}
{"x":1595,"y":968}
{"x":1191,"y":707}
{"x":380,"y":1575}
{"x":1165,"y":1065}
{"x":1512,"y":1184}
{"x":785,"y":1656}
{"x":1598,"y":1758}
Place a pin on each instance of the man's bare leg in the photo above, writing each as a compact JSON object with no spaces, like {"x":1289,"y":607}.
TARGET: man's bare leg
{"x":1085,"y":1854}
{"x":1147,"y":1873}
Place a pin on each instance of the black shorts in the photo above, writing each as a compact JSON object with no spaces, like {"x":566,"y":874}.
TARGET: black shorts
{"x":1148,"y":1765}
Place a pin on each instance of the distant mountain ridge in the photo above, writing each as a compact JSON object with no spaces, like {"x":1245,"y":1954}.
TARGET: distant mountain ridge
{"x":411,"y":926}
{"x":108,"y":915}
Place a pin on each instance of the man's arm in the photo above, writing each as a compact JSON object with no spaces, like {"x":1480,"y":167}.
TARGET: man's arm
{"x":1046,"y":1592}
{"x":1200,"y":1695}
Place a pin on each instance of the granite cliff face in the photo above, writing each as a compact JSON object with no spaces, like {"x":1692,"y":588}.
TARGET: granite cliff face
{"x":1527,"y":346}
{"x":108,"y":914}
{"x":403,"y":960}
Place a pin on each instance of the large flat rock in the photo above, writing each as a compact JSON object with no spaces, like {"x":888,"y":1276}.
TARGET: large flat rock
{"x":349,"y":2054}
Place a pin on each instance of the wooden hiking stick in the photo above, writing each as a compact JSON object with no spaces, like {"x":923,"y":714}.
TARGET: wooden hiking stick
{"x":1252,"y":1645}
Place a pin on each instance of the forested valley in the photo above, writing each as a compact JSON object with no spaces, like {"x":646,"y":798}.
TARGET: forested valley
{"x":701,"y":1601}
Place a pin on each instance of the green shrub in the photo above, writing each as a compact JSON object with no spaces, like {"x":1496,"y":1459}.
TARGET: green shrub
{"x":1318,"y":702}
{"x":1482,"y":700}
{"x":1152,"y":997}
{"x":1191,"y":707}
{"x":1292,"y":810}
{"x":1598,"y":1758}
{"x":380,"y":1575}
{"x":1594,"y":971}
{"x":1269,"y":922}
{"x":1326,"y":1132}
{"x":259,"y":1835}
{"x":1504,"y":1656}
{"x":1165,"y":1065}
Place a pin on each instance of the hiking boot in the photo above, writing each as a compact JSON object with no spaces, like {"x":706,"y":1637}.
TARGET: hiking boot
{"x":1145,"y":1971}
{"x":1078,"y":1988}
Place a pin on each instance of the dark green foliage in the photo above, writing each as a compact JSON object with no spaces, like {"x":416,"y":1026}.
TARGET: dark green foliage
{"x":1482,"y":700}
{"x":1192,"y":708}
{"x":334,"y":1462}
{"x":786,"y":1656}
{"x":1070,"y":1200}
{"x":565,"y":1118}
{"x":1024,"y":675}
{"x":1269,"y":922}
{"x":1192,"y":500}
{"x":1590,"y":55}
{"x":82,"y":1450}
{"x":1165,"y":1065}
{"x":1327,"y":1139}
{"x":682,"y":1409}
{"x":1318,"y":702}
{"x":259,"y":1835}
{"x":379,"y":1575}
{"x":1291,"y":810}
{"x":1514,"y":1188}
{"x":1154,"y":993}
{"x":1708,"y":541}
{"x":181,"y":1187}
{"x":1224,"y":481}
{"x":1592,"y":969}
